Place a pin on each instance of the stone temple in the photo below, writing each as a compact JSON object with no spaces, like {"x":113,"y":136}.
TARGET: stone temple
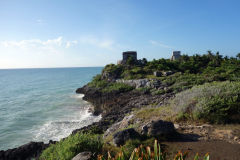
{"x":175,"y":55}
{"x":126,"y":55}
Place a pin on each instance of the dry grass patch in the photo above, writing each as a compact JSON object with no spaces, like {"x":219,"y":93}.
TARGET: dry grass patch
{"x":164,"y":113}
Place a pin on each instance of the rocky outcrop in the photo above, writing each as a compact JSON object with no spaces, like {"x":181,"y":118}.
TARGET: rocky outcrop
{"x":84,"y":156}
{"x":121,"y":137}
{"x":115,"y":105}
{"x":154,"y":128}
{"x":25,"y":152}
{"x":116,"y":126}
{"x":138,"y":83}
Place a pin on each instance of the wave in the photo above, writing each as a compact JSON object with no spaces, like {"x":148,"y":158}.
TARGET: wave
{"x":55,"y":130}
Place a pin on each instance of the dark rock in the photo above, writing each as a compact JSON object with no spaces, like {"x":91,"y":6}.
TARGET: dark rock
{"x":25,"y":152}
{"x":121,"y":137}
{"x":157,"y":127}
{"x":84,"y":156}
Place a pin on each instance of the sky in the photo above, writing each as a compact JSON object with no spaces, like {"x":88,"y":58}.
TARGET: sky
{"x":89,"y":33}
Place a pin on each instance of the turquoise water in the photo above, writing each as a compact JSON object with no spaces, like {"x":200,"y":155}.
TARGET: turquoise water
{"x":41,"y":104}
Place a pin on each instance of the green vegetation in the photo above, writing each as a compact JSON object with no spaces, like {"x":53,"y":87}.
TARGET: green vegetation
{"x":210,"y":66}
{"x":71,"y":146}
{"x":217,"y":102}
{"x":207,"y":89}
{"x":121,"y":87}
{"x":191,"y":71}
{"x":140,"y":153}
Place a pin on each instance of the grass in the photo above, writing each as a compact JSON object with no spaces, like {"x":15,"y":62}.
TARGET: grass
{"x":71,"y":146}
{"x":164,"y":113}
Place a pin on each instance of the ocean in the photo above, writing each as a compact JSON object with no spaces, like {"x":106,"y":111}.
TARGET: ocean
{"x":41,"y":104}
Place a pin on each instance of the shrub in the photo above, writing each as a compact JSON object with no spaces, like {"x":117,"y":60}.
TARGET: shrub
{"x":121,"y":87}
{"x":217,"y":102}
{"x":71,"y":146}
{"x":158,"y":92}
{"x":144,"y":89}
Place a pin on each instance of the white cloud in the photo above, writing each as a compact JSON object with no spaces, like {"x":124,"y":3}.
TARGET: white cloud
{"x":39,"y":20}
{"x":70,"y":43}
{"x":158,"y":44}
{"x":36,"y":43}
{"x":107,"y":44}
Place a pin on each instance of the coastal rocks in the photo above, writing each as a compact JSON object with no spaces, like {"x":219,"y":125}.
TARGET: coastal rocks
{"x":116,"y":126}
{"x":116,"y":105}
{"x":25,"y":152}
{"x":157,"y":127}
{"x":138,"y":83}
{"x":83,"y":156}
{"x":121,"y":137}
{"x":141,"y":83}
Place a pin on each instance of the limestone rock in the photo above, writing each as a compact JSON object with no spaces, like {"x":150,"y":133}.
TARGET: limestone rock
{"x":121,"y":137}
{"x":122,"y":124}
{"x":83,"y":156}
{"x":157,"y":127}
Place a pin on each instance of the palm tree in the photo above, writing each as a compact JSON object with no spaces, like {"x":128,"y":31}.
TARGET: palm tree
{"x":238,"y":55}
{"x":218,"y":59}
{"x":210,"y":55}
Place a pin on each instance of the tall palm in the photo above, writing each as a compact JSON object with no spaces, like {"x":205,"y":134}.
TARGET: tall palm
{"x":218,"y":59}
{"x":238,"y":55}
{"x":210,"y":54}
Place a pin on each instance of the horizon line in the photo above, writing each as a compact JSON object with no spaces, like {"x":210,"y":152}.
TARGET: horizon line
{"x":49,"y":67}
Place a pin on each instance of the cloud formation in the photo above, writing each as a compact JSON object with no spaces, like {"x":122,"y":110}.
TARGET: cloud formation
{"x":107,"y":44}
{"x":158,"y":44}
{"x":27,"y":44}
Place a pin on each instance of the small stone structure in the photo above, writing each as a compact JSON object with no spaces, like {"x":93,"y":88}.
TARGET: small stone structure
{"x":175,"y":55}
{"x":128,"y":54}
{"x":157,"y":73}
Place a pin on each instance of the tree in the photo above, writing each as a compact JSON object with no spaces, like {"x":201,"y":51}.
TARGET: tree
{"x":218,"y":59}
{"x":130,"y":61}
{"x":144,"y":61}
{"x":210,"y":55}
{"x":238,"y":55}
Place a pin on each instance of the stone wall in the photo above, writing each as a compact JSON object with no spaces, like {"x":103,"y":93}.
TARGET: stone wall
{"x":175,"y":55}
{"x":127,"y":54}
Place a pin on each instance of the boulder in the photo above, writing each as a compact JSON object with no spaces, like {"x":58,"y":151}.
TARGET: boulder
{"x":116,"y":126}
{"x":169,"y":73}
{"x":157,"y":127}
{"x":121,"y":137}
{"x":157,"y":73}
{"x":83,"y":156}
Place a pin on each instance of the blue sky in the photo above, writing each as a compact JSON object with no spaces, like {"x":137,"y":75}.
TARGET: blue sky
{"x":84,"y":33}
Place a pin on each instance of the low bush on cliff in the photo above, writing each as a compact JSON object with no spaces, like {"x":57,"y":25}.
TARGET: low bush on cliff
{"x":71,"y":146}
{"x":217,"y":102}
{"x":120,"y":87}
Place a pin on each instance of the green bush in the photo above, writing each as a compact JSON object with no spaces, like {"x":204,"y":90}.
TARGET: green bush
{"x":216,"y":102}
{"x":144,"y":89}
{"x":121,"y":87}
{"x":71,"y":146}
{"x":158,"y":92}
